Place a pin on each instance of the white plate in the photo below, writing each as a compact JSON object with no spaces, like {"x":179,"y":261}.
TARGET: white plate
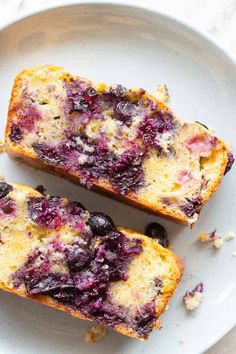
{"x":135,"y":47}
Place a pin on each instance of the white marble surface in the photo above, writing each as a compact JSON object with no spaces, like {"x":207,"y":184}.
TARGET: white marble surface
{"x":217,"y":17}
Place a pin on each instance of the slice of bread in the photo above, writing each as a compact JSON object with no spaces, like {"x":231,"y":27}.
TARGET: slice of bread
{"x":54,"y":252}
{"x":123,"y":142}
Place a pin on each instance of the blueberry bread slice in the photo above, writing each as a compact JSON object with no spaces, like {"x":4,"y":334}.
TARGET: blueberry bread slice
{"x":120,"y":141}
{"x":54,"y":252}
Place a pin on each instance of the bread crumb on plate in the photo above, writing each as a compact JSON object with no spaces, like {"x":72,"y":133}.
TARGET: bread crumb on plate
{"x":182,"y":340}
{"x":206,"y":237}
{"x":193,"y":299}
{"x":230,"y":236}
{"x":218,"y":242}
{"x":95,"y":334}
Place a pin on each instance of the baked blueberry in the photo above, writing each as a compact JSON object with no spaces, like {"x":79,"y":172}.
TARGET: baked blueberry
{"x":100,"y":224}
{"x":229,"y":163}
{"x":158,"y":233}
{"x":5,"y":188}
{"x":15,"y":134}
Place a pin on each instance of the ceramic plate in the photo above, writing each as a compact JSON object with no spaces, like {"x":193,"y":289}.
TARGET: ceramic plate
{"x":135,"y":46}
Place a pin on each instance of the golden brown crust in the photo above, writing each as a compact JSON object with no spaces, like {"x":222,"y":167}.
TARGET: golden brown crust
{"x":102,"y":186}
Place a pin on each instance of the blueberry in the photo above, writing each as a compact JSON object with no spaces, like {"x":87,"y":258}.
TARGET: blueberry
{"x":157,"y":232}
{"x":100,"y":224}
{"x":126,"y":108}
{"x":229,"y":163}
{"x":15,"y":134}
{"x":8,"y":206}
{"x":40,"y":188}
{"x":80,"y":105}
{"x":5,"y":188}
{"x":118,"y":90}
{"x":191,"y":207}
{"x":91,"y":91}
{"x":78,"y":258}
{"x":202,"y":124}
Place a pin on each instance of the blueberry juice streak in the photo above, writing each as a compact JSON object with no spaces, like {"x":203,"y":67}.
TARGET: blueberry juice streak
{"x":92,"y":156}
{"x":93,"y":260}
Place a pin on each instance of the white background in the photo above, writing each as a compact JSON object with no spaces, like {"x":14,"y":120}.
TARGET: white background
{"x":217,"y":17}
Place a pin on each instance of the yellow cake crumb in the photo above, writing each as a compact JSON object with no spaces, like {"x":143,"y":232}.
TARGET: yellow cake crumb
{"x":204,"y":237}
{"x":162,"y":93}
{"x":230,"y":236}
{"x":95,"y":334}
{"x":218,"y":242}
{"x":193,"y":302}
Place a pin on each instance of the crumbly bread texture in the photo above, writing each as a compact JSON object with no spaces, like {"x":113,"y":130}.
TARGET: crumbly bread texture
{"x":50,"y":253}
{"x":119,"y":141}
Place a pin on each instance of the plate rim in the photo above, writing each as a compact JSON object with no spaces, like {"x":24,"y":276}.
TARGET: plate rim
{"x":150,"y":6}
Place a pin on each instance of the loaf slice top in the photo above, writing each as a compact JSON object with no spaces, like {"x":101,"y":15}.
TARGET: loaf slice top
{"x":54,"y":252}
{"x":120,"y":141}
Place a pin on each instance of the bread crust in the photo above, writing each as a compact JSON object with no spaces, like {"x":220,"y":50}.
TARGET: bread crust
{"x":163,"y":299}
{"x":102,"y":186}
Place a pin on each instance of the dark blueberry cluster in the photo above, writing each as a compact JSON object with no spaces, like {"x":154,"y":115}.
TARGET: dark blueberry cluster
{"x":155,"y":124}
{"x":191,"y":207}
{"x":93,"y":263}
{"x":53,"y":212}
{"x":124,"y":171}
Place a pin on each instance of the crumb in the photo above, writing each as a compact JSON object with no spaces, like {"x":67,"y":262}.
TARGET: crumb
{"x":206,"y":237}
{"x":203,"y":237}
{"x":2,"y":146}
{"x":193,"y":299}
{"x":162,"y":93}
{"x":218,"y":242}
{"x":2,"y":178}
{"x":158,"y":324}
{"x":234,"y":254}
{"x":95,"y":334}
{"x":167,"y":307}
{"x":230,"y":236}
{"x":182,"y":340}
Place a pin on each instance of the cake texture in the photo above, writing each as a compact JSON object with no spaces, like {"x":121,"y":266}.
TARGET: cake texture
{"x":54,"y":251}
{"x":122,"y":142}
